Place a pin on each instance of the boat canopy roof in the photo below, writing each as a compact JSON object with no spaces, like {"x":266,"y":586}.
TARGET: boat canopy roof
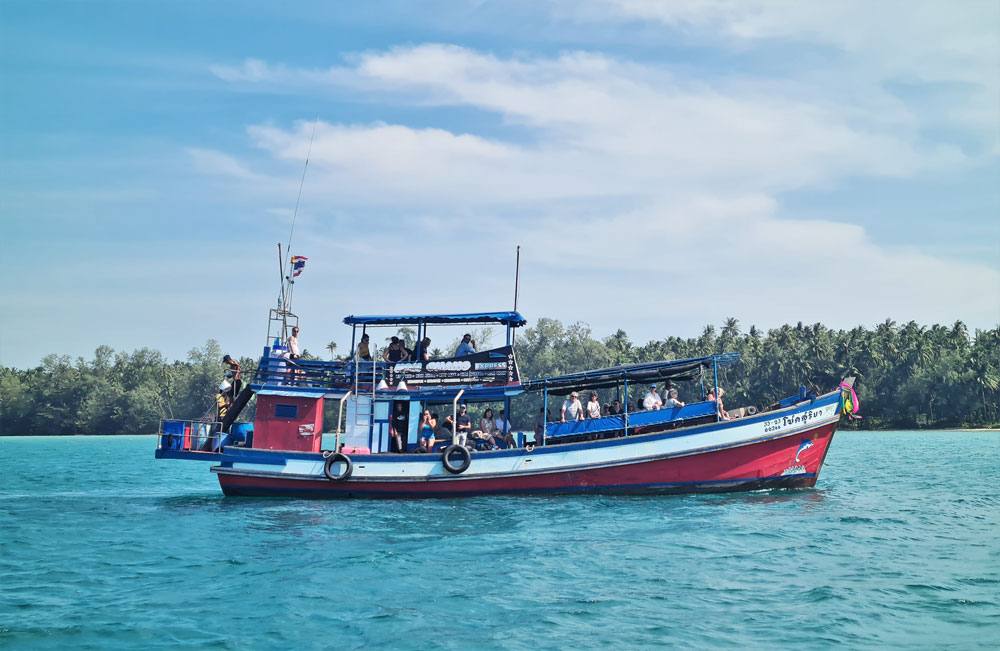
{"x":679,"y":369}
{"x":512,"y":319}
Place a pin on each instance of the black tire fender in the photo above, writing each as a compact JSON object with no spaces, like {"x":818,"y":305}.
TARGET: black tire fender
{"x":334,"y":458}
{"x":449,"y":466}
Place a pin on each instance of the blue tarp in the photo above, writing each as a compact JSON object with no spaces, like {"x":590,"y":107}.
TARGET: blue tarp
{"x":512,"y":318}
{"x":636,"y":419}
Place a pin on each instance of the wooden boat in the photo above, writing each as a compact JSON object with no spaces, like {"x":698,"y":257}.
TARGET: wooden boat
{"x":680,"y":450}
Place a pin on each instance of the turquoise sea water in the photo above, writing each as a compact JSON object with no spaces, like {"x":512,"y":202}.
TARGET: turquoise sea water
{"x":101,"y":546}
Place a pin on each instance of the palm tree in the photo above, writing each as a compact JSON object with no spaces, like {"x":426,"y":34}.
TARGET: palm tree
{"x":731,"y":328}
{"x":332,"y":347}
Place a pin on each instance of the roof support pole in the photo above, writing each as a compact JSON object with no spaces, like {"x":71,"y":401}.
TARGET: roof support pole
{"x":625,"y":419}
{"x":506,"y":414}
{"x":545,"y":392}
{"x":715,"y":380}
{"x":454,"y":417}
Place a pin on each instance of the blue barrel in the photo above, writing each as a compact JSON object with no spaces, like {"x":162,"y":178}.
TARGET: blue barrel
{"x":172,"y":435}
{"x":241,"y":433}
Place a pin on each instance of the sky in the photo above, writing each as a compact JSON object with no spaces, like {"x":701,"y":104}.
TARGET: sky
{"x":662,"y":165}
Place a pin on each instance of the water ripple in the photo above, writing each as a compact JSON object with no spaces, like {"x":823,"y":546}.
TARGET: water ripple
{"x":103,"y":547}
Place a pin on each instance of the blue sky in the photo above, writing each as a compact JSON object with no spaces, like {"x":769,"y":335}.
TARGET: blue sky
{"x":663,"y":165}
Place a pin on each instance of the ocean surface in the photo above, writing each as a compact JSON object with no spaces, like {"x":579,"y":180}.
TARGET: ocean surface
{"x":103,"y":547}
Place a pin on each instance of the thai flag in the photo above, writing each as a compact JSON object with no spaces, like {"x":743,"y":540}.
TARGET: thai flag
{"x":298,"y":264}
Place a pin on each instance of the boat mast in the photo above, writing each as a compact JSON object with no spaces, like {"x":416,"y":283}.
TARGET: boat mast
{"x":286,"y":279}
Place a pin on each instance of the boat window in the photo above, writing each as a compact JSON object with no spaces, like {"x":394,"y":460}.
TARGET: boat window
{"x":286,"y":411}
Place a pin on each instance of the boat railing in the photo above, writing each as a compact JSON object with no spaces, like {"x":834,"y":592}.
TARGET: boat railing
{"x":191,"y":436}
{"x":361,"y":375}
{"x":637,"y":421}
{"x":316,"y":374}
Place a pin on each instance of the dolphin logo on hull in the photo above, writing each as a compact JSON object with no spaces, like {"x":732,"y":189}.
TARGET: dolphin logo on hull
{"x":806,"y":444}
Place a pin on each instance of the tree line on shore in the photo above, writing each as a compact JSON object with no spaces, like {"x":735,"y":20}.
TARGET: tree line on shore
{"x":908,"y":375}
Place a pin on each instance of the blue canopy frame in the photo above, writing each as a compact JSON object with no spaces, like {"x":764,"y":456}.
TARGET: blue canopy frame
{"x":511,"y":319}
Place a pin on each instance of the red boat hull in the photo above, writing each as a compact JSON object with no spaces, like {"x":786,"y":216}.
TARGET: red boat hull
{"x":792,"y":461}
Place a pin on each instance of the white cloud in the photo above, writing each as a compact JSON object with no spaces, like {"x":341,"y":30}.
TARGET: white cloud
{"x":654,"y":194}
{"x":944,"y":47}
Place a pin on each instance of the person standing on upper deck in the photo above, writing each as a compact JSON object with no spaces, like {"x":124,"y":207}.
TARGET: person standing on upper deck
{"x":466,"y":347}
{"x":396,"y":352}
{"x":572,"y":408}
{"x":364,"y":352}
{"x":652,"y":399}
{"x":593,"y":406}
{"x":293,"y":343}
{"x":425,"y":348}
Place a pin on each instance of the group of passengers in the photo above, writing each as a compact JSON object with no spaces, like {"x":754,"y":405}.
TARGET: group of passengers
{"x":488,"y":436}
{"x":398,"y":352}
{"x":574,"y":410}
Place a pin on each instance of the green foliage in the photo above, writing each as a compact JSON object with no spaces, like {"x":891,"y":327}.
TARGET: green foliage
{"x":114,"y":393}
{"x":908,"y":375}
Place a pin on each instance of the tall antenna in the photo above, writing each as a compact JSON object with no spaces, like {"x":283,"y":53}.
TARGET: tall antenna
{"x":295,"y":214}
{"x":517,"y":274}
{"x":517,"y":278}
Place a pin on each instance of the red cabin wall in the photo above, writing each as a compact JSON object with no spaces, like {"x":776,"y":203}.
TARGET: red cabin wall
{"x":276,"y":428}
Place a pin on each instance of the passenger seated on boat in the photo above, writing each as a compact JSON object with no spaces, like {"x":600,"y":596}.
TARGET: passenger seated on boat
{"x":540,"y":425}
{"x":503,"y":430}
{"x":396,"y":352}
{"x":427,"y":426}
{"x":723,"y":414}
{"x":487,"y":428}
{"x":364,"y":352}
{"x":571,"y":407}
{"x":652,"y":399}
{"x":425,"y":347}
{"x":466,"y":347}
{"x":671,"y":400}
{"x":615,"y":408}
{"x":593,"y":406}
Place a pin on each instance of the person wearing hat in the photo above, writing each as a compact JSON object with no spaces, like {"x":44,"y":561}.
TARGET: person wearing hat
{"x":571,"y":407}
{"x":652,"y":399}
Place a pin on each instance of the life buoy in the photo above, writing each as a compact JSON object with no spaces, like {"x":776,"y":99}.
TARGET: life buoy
{"x":334,"y":458}
{"x":446,"y":459}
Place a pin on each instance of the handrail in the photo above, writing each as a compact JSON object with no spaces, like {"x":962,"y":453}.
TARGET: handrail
{"x":454,"y":416}
{"x":340,"y":419}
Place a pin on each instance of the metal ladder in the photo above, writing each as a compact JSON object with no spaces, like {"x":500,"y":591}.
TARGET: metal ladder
{"x":369,"y":414}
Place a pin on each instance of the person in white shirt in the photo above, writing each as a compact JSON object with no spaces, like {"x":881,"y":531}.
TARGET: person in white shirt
{"x":593,"y":406}
{"x":503,"y":430}
{"x":572,"y":408}
{"x":652,"y":399}
{"x":293,"y":343}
